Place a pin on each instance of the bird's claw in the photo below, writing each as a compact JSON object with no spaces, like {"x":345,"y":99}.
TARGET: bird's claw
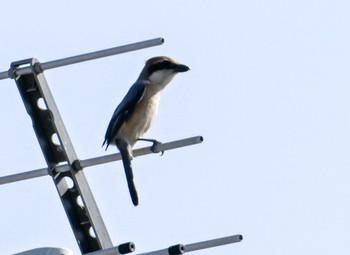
{"x":155,"y":147}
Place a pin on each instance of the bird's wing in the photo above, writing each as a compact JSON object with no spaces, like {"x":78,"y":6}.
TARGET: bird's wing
{"x":124,"y":110}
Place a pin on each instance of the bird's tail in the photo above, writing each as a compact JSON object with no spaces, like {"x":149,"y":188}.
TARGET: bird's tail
{"x":126,"y":157}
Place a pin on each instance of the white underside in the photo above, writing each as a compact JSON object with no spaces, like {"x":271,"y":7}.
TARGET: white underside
{"x":146,"y":109}
{"x":141,"y":119}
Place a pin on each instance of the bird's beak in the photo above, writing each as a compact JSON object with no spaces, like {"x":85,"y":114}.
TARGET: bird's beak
{"x":182,"y":68}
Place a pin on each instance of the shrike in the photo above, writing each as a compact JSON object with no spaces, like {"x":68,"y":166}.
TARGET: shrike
{"x":134,"y":115}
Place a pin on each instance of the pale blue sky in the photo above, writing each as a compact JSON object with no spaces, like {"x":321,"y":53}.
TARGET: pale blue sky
{"x":269,"y":90}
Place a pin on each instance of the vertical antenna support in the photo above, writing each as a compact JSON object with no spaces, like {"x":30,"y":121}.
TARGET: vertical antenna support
{"x":77,"y":199}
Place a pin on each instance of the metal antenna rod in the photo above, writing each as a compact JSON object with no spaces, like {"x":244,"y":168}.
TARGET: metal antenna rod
{"x":99,"y":160}
{"x":213,"y":243}
{"x":121,"y":249}
{"x":197,"y":246}
{"x":83,"y":57}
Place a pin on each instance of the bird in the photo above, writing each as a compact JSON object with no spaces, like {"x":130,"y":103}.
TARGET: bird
{"x":134,"y":115}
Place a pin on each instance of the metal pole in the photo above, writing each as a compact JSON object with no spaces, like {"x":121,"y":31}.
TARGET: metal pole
{"x":121,"y":249}
{"x":86,"y":221}
{"x":109,"y":251}
{"x":84,"y":57}
{"x":142,"y":151}
{"x":172,"y":250}
{"x":213,"y":243}
{"x":24,"y":176}
{"x":100,"y":160}
{"x":200,"y":245}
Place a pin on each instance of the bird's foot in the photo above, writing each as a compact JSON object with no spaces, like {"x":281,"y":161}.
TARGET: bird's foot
{"x":155,"y":147}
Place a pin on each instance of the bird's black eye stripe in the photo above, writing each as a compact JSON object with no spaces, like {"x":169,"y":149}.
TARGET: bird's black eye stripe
{"x":162,"y":66}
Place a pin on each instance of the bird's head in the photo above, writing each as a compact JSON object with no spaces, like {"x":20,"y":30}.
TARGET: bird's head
{"x":161,"y":70}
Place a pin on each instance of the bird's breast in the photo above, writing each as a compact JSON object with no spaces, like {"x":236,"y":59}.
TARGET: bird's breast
{"x":142,"y":117}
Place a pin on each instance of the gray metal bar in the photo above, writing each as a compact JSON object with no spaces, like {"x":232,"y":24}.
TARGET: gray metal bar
{"x":100,"y":160}
{"x":201,"y":245}
{"x":142,"y":151}
{"x":213,"y":243}
{"x":172,"y":250}
{"x":121,"y":249}
{"x":85,"y":57}
{"x":159,"y":252}
{"x":23,"y":176}
{"x":109,"y":251}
